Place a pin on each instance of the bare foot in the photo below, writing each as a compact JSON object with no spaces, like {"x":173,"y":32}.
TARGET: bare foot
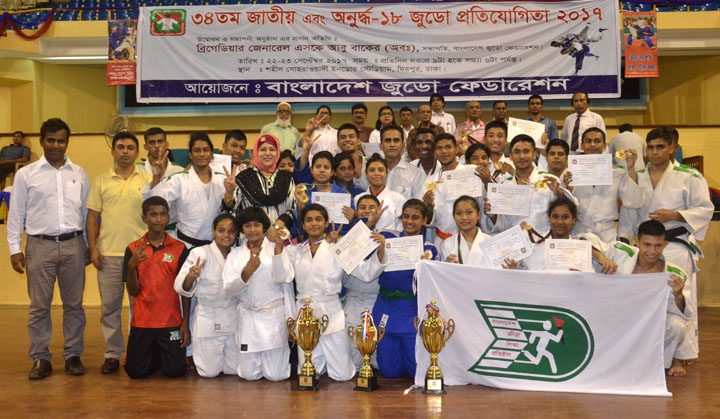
{"x":676,"y":369}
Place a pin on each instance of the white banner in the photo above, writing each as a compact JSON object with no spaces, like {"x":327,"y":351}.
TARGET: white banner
{"x":390,"y":52}
{"x":547,"y":331}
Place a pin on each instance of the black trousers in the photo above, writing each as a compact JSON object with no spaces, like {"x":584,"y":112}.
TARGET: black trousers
{"x":149,"y":349}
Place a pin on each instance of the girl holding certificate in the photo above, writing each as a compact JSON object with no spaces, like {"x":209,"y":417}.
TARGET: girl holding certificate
{"x":464,"y":246}
{"x":265,"y":300}
{"x":318,"y":277}
{"x":479,"y":155}
{"x":396,"y":305}
{"x":376,"y":172}
{"x":214,"y":319}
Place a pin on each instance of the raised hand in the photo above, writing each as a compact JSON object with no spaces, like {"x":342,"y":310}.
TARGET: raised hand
{"x":334,"y":233}
{"x":195,"y":271}
{"x":158,"y":166}
{"x":483,"y":172}
{"x":138,"y":255}
{"x":428,"y":199}
{"x":631,"y":157}
{"x":677,"y":284}
{"x":375,"y":215}
{"x":230,"y":182}
{"x":349,"y":213}
{"x":567,"y":179}
{"x":507,"y":168}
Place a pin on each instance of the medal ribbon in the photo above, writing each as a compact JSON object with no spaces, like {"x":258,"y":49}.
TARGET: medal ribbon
{"x":435,"y":308}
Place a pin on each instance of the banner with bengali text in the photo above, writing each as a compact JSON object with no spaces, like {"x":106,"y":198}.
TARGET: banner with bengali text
{"x":122,"y":35}
{"x":378,"y":51}
{"x":640,"y":36}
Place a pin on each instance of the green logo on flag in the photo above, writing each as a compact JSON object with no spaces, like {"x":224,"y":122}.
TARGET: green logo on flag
{"x":167,"y":22}
{"x":534,"y":342}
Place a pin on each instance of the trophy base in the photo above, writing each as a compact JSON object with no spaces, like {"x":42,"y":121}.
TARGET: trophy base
{"x":434,"y":386}
{"x":306,"y":383}
{"x":366,"y":384}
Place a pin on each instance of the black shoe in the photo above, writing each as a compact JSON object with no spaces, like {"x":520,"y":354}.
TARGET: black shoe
{"x":111,"y":365}
{"x":41,"y":369}
{"x":73,"y":366}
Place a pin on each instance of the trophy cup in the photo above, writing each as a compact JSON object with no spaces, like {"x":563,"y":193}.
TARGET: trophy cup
{"x":435,"y":333}
{"x":366,"y":337}
{"x":308,"y":334}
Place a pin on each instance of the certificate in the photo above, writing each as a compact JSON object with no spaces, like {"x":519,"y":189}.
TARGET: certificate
{"x":220,"y":162}
{"x":523,"y":126}
{"x":509,"y":199}
{"x":512,"y":243}
{"x":403,"y":252}
{"x":565,"y":254}
{"x":371,"y":148}
{"x":352,"y":248}
{"x":590,"y":169}
{"x":462,"y":182}
{"x":333,"y":203}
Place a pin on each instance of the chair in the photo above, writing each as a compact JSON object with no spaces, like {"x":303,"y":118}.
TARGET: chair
{"x":11,"y":176}
{"x":696,"y":162}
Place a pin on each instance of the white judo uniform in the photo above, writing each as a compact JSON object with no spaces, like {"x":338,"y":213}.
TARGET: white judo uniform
{"x":598,"y":205}
{"x":681,"y":189}
{"x":319,"y":279}
{"x":677,"y":322}
{"x":215,"y":316}
{"x":469,"y":254}
{"x":265,"y":301}
{"x":390,"y":219}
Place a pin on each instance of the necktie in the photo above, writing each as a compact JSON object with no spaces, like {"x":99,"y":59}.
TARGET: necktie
{"x":575,"y":134}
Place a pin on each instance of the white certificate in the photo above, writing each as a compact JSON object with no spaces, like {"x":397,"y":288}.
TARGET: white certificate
{"x":371,"y":148}
{"x":523,"y":126}
{"x":509,"y":199}
{"x":403,"y":252}
{"x":512,"y":243}
{"x":565,"y":254}
{"x":333,"y":203}
{"x":462,"y":182}
{"x":352,"y":248}
{"x":590,"y":169}
{"x":220,"y":162}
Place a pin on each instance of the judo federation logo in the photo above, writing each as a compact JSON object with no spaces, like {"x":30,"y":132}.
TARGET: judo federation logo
{"x":534,"y":342}
{"x":167,"y":22}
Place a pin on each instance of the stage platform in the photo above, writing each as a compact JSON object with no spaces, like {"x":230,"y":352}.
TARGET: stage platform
{"x":96,"y":395}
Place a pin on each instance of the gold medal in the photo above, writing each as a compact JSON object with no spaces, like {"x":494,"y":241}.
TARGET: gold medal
{"x":432,"y":186}
{"x":620,"y":154}
{"x":304,"y":197}
{"x":498,"y":166}
{"x":541,"y":185}
{"x":284,"y":233}
{"x":528,"y":227}
{"x":428,"y":254}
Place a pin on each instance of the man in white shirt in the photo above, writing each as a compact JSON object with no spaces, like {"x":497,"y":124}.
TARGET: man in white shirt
{"x":439,"y":116}
{"x":577,"y":123}
{"x":323,"y":136}
{"x":403,"y":178}
{"x":627,"y":140}
{"x":500,"y":111}
{"x":406,"y":121}
{"x":48,"y":203}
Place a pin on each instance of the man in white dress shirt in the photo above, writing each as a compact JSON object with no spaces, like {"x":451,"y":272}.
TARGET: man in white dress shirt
{"x":578,"y":122}
{"x":48,"y":202}
{"x":323,"y":136}
{"x":439,"y":116}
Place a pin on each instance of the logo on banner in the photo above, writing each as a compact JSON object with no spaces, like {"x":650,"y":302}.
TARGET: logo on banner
{"x":534,"y":342}
{"x":167,"y":22}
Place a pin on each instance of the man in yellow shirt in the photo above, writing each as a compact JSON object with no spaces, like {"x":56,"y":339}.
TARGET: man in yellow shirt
{"x":115,"y":195}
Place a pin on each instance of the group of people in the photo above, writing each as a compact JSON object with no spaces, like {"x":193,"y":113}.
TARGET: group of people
{"x":215,"y":259}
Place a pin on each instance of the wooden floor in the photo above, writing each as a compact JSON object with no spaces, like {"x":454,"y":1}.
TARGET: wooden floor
{"x":96,"y":395}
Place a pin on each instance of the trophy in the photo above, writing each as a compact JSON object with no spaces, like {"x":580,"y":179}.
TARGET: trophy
{"x":308,"y":334}
{"x":366,"y":337}
{"x":435,"y":333}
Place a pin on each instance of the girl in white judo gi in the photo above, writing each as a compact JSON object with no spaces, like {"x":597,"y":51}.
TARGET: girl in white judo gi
{"x":376,"y":172}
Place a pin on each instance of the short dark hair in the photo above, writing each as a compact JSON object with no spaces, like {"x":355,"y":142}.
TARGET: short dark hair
{"x":496,"y":124}
{"x":466,"y":198}
{"x":417,"y":204}
{"x":405,"y":109}
{"x":22,"y":134}
{"x":625,"y":127}
{"x":499,"y":101}
{"x":558,"y":143}
{"x":587,"y":97}
{"x":663,"y":133}
{"x":346,"y":126}
{"x":563,"y":202}
{"x":593,"y":129}
{"x":358,"y":106}
{"x":675,"y":134}
{"x":340,"y":157}
{"x":250,"y":214}
{"x":420,"y":131}
{"x":375,"y":158}
{"x":446,"y":136}
{"x":53,"y":125}
{"x":652,"y":228}
{"x":199,"y":136}
{"x":154,"y":131}
{"x":536,"y":97}
{"x":154,"y":201}
{"x":475,"y":147}
{"x":224,"y":216}
{"x":522,"y":138}
{"x":124,"y":135}
{"x":314,"y":207}
{"x":235,"y":134}
{"x":323,"y":155}
{"x":323,"y":106}
{"x":370,"y":197}
{"x":287,"y":154}
{"x":437,"y":96}
{"x":391,"y":127}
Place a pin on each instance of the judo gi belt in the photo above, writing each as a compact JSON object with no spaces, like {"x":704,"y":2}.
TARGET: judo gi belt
{"x":193,"y":241}
{"x":396,"y":294}
{"x":673,"y":235}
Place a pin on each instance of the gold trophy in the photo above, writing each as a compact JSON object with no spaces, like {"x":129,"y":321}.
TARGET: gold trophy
{"x":308,"y":334}
{"x":435,"y":333}
{"x":367,"y":337}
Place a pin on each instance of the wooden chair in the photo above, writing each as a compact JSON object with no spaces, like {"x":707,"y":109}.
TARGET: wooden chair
{"x":695,"y":162}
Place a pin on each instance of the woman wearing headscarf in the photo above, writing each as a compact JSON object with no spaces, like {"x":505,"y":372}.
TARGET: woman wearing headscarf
{"x":263,"y":186}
